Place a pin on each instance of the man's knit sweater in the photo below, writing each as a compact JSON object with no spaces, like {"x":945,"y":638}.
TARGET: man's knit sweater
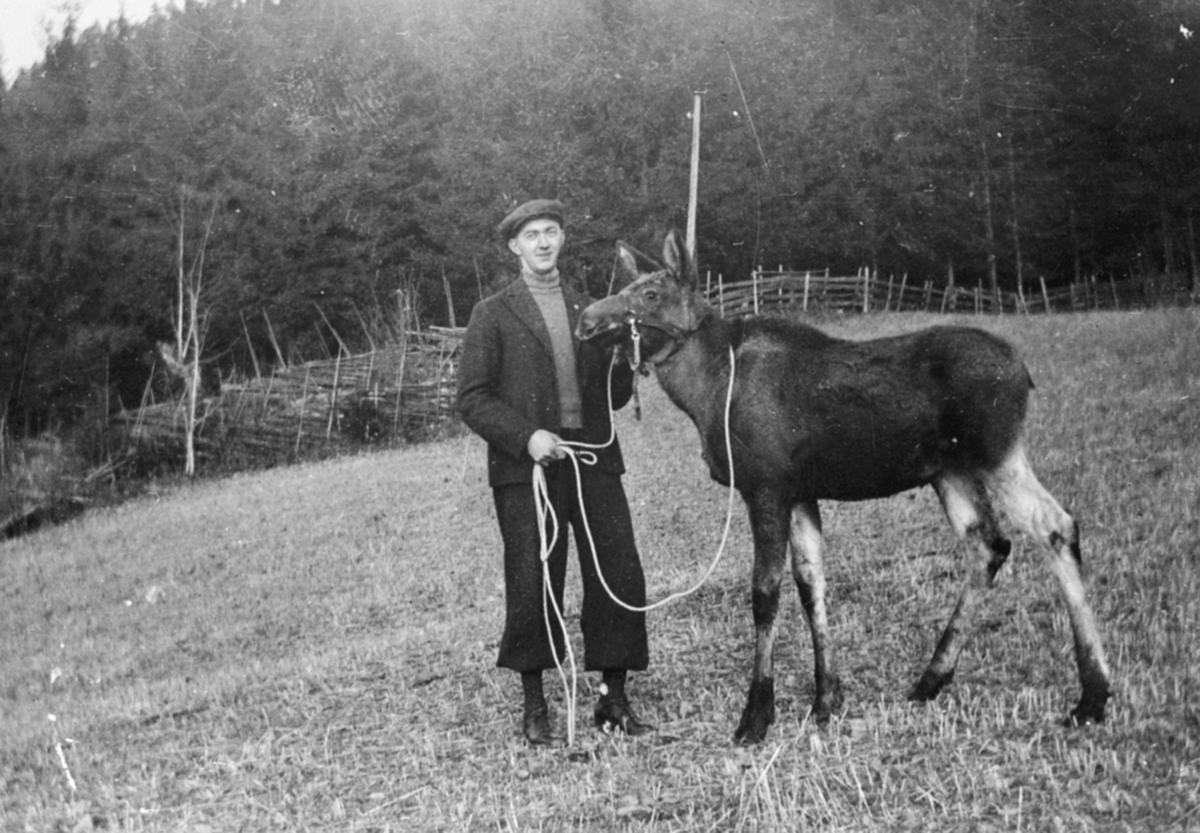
{"x":547,"y":292}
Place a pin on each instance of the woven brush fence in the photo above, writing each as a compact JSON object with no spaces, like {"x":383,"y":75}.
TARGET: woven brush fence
{"x":387,"y":395}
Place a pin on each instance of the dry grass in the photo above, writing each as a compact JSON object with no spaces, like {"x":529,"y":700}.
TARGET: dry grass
{"x":312,"y":648}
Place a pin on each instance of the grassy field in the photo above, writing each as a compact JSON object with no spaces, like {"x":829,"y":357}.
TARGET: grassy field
{"x":313,"y":648}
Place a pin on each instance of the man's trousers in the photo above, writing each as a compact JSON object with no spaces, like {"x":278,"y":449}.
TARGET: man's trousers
{"x":613,"y":637}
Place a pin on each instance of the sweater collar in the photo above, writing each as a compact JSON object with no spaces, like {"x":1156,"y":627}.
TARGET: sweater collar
{"x":536,"y":282}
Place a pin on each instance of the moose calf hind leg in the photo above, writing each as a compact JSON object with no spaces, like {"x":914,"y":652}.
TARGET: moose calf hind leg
{"x":1030,"y":506}
{"x":1094,"y":680}
{"x":971,"y":516}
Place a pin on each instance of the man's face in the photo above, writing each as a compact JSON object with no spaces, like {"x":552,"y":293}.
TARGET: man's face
{"x":537,"y":244}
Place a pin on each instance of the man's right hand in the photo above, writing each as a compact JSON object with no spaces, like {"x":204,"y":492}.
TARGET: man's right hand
{"x":544,"y":447}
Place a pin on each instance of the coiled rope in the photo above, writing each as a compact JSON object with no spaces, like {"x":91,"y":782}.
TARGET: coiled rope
{"x":548,"y":530}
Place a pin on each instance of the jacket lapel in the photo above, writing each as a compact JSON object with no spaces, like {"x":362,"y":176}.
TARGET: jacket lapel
{"x":519,"y":300}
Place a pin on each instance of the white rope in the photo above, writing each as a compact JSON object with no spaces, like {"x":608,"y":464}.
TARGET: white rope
{"x":545,"y":510}
{"x":578,"y":451}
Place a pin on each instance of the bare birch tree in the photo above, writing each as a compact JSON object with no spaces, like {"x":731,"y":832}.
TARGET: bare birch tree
{"x":190,"y":322}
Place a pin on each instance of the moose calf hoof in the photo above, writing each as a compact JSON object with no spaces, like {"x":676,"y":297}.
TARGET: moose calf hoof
{"x":820,"y":715}
{"x":751,"y":730}
{"x":759,"y":713}
{"x":1089,"y":710}
{"x":828,"y":703}
{"x":929,"y":686}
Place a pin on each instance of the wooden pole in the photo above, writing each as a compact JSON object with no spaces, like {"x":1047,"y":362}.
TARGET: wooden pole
{"x":300,"y":422}
{"x":274,"y":341}
{"x":694,"y":184}
{"x":333,"y":396}
{"x":1045,"y":294}
{"x":400,"y":379}
{"x":250,"y":346}
{"x":449,"y":299}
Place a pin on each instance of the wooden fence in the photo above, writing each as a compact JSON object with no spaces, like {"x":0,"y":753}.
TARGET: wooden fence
{"x":399,"y":391}
{"x":380,"y":396}
{"x":811,"y":291}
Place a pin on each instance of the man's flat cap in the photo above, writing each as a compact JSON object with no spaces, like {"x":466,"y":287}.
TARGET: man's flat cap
{"x":532,"y":210}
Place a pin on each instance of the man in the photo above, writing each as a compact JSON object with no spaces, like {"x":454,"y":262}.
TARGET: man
{"x":526,"y":385}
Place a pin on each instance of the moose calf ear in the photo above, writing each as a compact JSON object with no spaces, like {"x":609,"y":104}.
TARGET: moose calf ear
{"x":627,"y":265}
{"x":676,"y":256}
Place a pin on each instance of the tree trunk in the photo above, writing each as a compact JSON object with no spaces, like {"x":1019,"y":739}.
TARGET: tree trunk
{"x":1168,"y":241}
{"x":1016,"y":227}
{"x":189,"y":327}
{"x":989,"y":226}
{"x":1194,"y":277}
{"x":1073,"y":223}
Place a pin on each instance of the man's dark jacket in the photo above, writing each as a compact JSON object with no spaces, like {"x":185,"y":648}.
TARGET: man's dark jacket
{"x":507,"y":386}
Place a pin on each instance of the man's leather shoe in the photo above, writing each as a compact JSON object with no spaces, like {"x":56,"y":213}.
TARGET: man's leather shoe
{"x":539,"y":728}
{"x":613,"y":714}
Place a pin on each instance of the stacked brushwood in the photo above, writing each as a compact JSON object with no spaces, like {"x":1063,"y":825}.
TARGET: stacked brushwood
{"x":386,"y":395}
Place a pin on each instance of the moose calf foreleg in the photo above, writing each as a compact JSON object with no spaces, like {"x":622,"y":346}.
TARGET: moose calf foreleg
{"x":769,"y":524}
{"x":972,"y":518}
{"x":808,"y":570}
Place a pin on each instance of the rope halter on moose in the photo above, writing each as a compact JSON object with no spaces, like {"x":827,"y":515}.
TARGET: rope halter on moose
{"x":548,"y":529}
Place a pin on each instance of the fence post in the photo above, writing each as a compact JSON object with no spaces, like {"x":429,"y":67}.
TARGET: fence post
{"x":300,"y":422}
{"x":437,"y":387}
{"x":721,"y":294}
{"x":754,"y":288}
{"x":1113,"y":284}
{"x":333,"y":395}
{"x":804,"y":305}
{"x":1045,"y":294}
{"x":449,"y":298}
{"x":866,"y":289}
